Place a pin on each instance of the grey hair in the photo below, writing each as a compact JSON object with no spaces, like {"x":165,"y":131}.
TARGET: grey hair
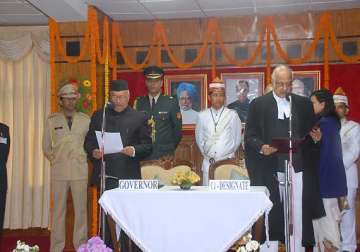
{"x":277,"y":69}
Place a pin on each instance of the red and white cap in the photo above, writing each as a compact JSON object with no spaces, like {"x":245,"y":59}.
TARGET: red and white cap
{"x":340,"y":96}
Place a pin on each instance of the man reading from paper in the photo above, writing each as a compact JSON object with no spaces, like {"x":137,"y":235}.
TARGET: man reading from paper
{"x":218,"y":130}
{"x":135,"y":135}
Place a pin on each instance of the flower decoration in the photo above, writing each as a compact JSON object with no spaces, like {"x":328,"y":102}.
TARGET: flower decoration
{"x":22,"y":247}
{"x":85,"y":103}
{"x":185,"y":179}
{"x":87,"y":83}
{"x":247,"y":244}
{"x":94,"y":244}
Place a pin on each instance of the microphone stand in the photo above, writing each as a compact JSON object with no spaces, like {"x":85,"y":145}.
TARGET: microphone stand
{"x":103,"y":175}
{"x":288,"y":187}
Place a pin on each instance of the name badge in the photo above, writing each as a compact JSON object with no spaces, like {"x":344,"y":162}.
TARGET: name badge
{"x":229,"y":185}
{"x":3,"y":140}
{"x":138,"y":184}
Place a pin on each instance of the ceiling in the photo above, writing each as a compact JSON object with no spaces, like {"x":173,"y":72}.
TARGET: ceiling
{"x":35,"y":12}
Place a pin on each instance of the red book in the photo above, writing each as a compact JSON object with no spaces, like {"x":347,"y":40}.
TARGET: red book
{"x":282,"y":144}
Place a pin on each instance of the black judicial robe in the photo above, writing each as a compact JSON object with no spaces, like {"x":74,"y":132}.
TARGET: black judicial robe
{"x":261,"y":127}
{"x":134,"y":131}
{"x":4,"y":154}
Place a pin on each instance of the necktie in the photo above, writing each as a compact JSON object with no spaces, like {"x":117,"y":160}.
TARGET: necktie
{"x":69,"y":121}
{"x":153,"y":102}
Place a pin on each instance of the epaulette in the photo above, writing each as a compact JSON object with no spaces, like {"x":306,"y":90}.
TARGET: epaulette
{"x":84,"y":115}
{"x":52,"y":115}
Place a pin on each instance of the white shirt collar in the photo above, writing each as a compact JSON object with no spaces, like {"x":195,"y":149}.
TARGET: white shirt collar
{"x":217,"y":111}
{"x":283,"y":107}
{"x":156,"y":97}
{"x":343,"y":121}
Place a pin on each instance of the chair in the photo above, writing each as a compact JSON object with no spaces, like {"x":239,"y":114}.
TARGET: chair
{"x":229,"y":169}
{"x":156,"y":169}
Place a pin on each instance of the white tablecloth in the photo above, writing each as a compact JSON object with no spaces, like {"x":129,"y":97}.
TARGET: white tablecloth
{"x":172,"y":220}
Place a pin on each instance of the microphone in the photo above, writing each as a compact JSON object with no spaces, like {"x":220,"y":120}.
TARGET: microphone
{"x":109,"y":105}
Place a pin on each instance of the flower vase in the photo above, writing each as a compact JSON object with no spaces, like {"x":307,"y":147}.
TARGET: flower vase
{"x":185,"y":186}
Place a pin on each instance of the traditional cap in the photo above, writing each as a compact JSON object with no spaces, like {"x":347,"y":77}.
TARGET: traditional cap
{"x":153,"y":72}
{"x":119,"y":85}
{"x":217,"y":83}
{"x":69,"y":91}
{"x":340,"y":96}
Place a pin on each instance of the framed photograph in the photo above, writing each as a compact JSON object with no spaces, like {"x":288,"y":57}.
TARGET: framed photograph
{"x":241,"y":89}
{"x":305,"y":82}
{"x":191,"y":93}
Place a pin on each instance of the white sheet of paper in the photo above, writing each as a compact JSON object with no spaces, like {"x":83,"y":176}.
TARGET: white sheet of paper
{"x":112,"y":142}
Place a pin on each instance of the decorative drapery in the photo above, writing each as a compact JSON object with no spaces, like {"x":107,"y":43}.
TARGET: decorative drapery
{"x":25,"y":103}
{"x":17,"y":42}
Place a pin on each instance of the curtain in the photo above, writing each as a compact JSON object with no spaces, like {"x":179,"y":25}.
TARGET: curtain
{"x":24,"y":105}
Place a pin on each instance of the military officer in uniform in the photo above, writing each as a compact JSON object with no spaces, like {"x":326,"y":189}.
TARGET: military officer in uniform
{"x":63,"y":141}
{"x":163,"y":113}
{"x":4,"y":154}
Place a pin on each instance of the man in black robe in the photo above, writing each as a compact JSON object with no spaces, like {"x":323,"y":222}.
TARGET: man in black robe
{"x":4,"y":154}
{"x":136,"y":139}
{"x":268,"y":118}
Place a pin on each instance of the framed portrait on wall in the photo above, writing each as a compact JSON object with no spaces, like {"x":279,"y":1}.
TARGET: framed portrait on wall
{"x":191,"y":93}
{"x":241,"y":89}
{"x":305,"y":82}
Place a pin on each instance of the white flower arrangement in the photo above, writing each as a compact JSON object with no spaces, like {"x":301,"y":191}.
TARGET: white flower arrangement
{"x":248,"y":244}
{"x":22,"y":247}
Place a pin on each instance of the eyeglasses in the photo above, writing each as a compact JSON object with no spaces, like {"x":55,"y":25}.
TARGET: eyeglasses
{"x":283,"y":83}
{"x":118,"y":97}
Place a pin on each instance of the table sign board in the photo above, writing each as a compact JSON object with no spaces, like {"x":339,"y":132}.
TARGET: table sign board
{"x":229,"y":185}
{"x":138,"y":184}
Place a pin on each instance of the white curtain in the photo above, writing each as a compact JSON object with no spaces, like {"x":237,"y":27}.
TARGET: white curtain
{"x":24,"y":105}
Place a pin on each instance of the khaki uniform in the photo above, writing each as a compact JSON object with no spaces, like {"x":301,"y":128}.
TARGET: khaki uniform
{"x":69,"y":170}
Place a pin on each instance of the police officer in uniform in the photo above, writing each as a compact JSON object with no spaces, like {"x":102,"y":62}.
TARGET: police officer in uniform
{"x":163,"y":113}
{"x":4,"y":154}
{"x":63,"y":140}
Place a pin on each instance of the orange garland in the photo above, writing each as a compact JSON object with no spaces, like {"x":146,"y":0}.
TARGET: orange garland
{"x":248,"y":61}
{"x":310,"y":51}
{"x":268,"y":55}
{"x":52,"y":66}
{"x":161,"y":39}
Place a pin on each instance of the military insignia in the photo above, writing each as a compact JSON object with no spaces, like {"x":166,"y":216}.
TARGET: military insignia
{"x":178,"y":115}
{"x":152,"y":123}
{"x":163,"y":115}
{"x":212,"y":160}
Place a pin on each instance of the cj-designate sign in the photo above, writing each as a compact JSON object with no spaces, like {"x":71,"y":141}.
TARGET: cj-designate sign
{"x":138,"y":184}
{"x":229,"y":185}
